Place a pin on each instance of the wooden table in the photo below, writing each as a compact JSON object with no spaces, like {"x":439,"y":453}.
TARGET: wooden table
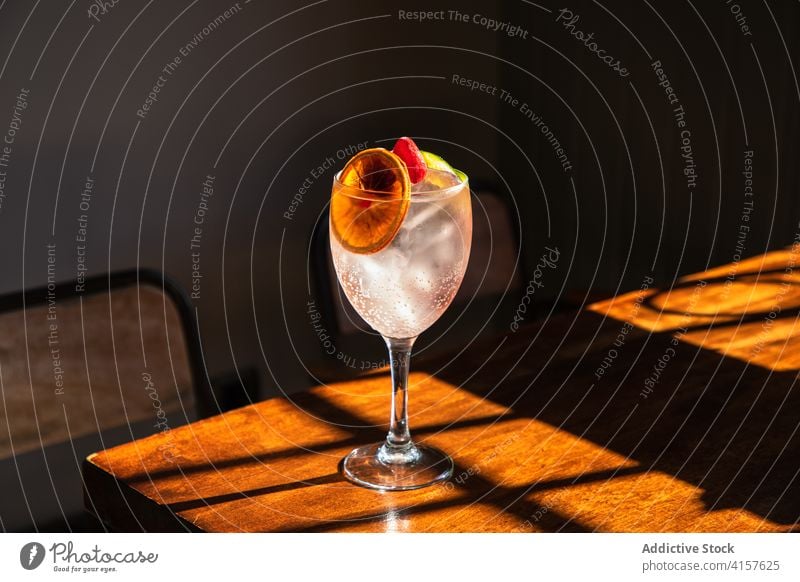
{"x":653,"y":411}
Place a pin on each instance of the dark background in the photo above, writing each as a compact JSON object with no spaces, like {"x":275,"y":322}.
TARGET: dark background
{"x":279,"y":86}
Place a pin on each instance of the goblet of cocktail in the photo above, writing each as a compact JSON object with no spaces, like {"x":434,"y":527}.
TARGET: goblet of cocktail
{"x":401,"y":229}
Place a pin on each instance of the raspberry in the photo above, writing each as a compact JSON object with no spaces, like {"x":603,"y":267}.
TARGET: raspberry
{"x":407,"y":150}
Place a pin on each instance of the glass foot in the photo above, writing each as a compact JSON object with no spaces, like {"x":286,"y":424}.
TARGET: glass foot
{"x":379,"y":466}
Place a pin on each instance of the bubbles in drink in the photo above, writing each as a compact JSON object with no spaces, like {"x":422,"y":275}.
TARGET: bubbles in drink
{"x":404,"y":288}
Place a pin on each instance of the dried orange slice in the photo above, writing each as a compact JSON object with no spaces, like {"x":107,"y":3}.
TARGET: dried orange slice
{"x":370,"y":200}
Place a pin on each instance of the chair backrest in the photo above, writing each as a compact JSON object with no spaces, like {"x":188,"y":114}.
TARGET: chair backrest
{"x":84,"y":366}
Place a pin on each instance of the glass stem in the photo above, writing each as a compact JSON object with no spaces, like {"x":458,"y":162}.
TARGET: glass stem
{"x":399,"y":437}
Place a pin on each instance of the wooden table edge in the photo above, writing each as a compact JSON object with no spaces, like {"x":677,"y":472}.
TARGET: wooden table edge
{"x":137,"y":513}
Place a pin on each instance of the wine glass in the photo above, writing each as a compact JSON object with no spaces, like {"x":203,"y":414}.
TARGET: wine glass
{"x":400,"y":291}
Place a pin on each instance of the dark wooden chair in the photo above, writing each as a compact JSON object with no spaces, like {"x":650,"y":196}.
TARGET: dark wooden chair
{"x":85,"y":367}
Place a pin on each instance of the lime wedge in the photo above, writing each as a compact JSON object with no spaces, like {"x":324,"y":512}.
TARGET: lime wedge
{"x":435,"y":162}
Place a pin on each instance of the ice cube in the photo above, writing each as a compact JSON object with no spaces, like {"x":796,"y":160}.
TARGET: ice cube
{"x":435,"y":180}
{"x":419,"y":214}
